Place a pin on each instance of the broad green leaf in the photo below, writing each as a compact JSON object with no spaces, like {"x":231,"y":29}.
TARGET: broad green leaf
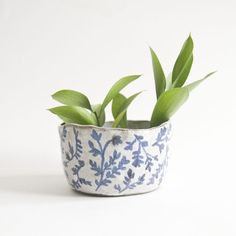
{"x":168,"y":103}
{"x":124,"y":108}
{"x":117,"y":103}
{"x":182,"y":77}
{"x":193,"y":85}
{"x":183,"y":64}
{"x":116,"y":88}
{"x":66,"y":120}
{"x":96,"y":109}
{"x":72,"y":98}
{"x":159,"y":76}
{"x":75,"y":114}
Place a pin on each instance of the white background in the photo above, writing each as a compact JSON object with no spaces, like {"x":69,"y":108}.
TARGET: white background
{"x":87,"y":45}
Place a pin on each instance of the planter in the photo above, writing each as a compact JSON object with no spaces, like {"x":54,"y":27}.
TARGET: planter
{"x":115,"y":161}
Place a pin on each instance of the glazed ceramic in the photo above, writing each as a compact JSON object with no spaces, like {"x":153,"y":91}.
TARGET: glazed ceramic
{"x":114,"y":161}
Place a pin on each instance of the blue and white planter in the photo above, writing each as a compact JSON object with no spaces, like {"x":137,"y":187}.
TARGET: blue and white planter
{"x":115,"y":161}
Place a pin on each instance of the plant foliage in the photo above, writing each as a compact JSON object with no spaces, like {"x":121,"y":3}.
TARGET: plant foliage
{"x":171,"y":94}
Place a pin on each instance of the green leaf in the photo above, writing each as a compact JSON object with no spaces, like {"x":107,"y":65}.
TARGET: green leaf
{"x":168,"y":103}
{"x":116,"y":88}
{"x":75,"y":114}
{"x":117,"y":103}
{"x":96,"y":109}
{"x":159,"y":76}
{"x":66,"y":120}
{"x":169,"y":81}
{"x":72,"y":98}
{"x":182,"y":77}
{"x":124,"y":110}
{"x":193,"y":85}
{"x":183,"y":64}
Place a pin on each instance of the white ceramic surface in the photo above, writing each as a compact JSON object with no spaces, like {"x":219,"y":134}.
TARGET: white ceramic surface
{"x":114,"y":161}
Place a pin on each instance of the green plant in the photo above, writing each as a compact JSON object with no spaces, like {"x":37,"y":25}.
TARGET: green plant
{"x":171,"y":93}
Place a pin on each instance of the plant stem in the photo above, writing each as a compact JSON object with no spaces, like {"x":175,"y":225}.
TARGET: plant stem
{"x":97,"y":118}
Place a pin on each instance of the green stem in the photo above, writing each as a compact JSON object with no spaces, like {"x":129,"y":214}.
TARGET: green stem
{"x":97,"y":118}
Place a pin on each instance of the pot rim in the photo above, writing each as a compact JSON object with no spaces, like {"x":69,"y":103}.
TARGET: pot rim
{"x":104,"y":128}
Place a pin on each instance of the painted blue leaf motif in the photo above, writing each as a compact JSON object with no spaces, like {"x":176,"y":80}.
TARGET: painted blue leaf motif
{"x":144,"y":144}
{"x":93,"y":150}
{"x":106,"y":170}
{"x":139,"y":137}
{"x":140,"y":155}
{"x":130,"y":174}
{"x":68,"y":157}
{"x":117,"y":187}
{"x":95,"y":167}
{"x":84,"y":181}
{"x":76,"y":183}
{"x":116,"y":140}
{"x":163,"y":131}
{"x":81,"y":163}
{"x":96,"y":136}
{"x":116,"y":156}
{"x":108,"y":174}
{"x":78,"y":146}
{"x":122,"y":163}
{"x":141,"y":179}
{"x":137,"y":159}
{"x":130,"y":145}
{"x":126,"y":180}
{"x":128,"y":184}
{"x":91,"y":144}
{"x":162,"y":137}
{"x":105,"y":182}
{"x":63,"y":134}
{"x":159,"y":173}
{"x":74,"y":170}
{"x":149,"y":165}
{"x":106,"y":166}
{"x":73,"y":151}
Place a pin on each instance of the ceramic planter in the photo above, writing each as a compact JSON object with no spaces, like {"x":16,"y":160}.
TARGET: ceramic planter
{"x":114,"y":161}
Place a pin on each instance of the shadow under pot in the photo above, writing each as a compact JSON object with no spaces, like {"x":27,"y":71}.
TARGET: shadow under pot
{"x":115,"y":161}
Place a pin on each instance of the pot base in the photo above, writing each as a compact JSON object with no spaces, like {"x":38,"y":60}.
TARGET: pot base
{"x":113,"y":195}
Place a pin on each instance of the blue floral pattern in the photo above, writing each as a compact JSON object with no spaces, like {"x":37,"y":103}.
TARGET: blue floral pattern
{"x":106,"y":170}
{"x":140,"y":155}
{"x":128,"y":181}
{"x":162,"y":137}
{"x":114,"y":162}
{"x":74,"y":152}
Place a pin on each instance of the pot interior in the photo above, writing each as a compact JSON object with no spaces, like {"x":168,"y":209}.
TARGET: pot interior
{"x":132,"y":124}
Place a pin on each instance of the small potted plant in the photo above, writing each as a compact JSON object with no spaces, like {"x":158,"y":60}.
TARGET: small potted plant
{"x":122,"y":157}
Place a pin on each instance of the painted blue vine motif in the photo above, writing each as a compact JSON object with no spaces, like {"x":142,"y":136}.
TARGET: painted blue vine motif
{"x":129,"y":182}
{"x":74,"y":152}
{"x":140,"y":154}
{"x":162,"y":137}
{"x":159,"y":171}
{"x":120,"y":163}
{"x":106,"y":170}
